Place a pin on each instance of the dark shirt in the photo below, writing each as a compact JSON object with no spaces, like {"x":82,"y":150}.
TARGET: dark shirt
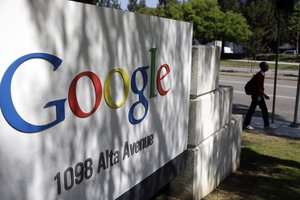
{"x":260,"y":78}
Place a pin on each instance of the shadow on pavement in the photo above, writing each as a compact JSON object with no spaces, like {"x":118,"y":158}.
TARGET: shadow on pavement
{"x":281,"y":127}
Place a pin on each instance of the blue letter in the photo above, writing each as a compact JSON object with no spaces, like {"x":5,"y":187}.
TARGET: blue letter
{"x":142,"y":98}
{"x":8,"y":109}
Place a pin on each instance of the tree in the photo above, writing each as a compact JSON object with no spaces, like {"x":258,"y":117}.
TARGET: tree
{"x":260,"y":17}
{"x":173,"y":10}
{"x":210,"y":23}
{"x":291,"y":28}
{"x":115,"y":4}
{"x":148,"y":11}
{"x":235,"y":28}
{"x":162,"y":2}
{"x":109,"y":3}
{"x":142,"y":3}
{"x":206,"y":18}
{"x":229,"y":5}
{"x":134,"y":6}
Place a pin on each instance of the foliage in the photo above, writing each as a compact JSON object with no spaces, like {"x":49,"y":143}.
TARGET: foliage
{"x":248,"y":22}
{"x":229,"y":5}
{"x":163,"y":2}
{"x":260,"y":17}
{"x":209,"y":22}
{"x":151,"y":11}
{"x":173,"y":10}
{"x":133,"y":5}
{"x":291,"y":27}
{"x":109,"y":3}
{"x":206,"y":18}
{"x":235,"y":27}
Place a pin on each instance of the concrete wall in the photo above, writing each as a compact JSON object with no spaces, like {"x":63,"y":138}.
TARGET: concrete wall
{"x":205,"y":65}
{"x":214,"y":138}
{"x":208,"y":113}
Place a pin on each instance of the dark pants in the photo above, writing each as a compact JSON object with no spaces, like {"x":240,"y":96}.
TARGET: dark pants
{"x":262,"y":105}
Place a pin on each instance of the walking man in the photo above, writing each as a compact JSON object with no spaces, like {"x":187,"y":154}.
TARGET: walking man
{"x":258,"y":98}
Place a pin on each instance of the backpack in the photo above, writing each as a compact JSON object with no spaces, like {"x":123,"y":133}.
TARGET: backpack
{"x":251,"y":86}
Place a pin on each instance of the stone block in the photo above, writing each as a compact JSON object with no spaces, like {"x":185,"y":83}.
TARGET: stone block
{"x":205,"y":69}
{"x":210,"y":162}
{"x":208,"y":113}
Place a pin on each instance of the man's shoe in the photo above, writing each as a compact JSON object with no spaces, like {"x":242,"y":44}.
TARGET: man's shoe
{"x":249,"y":127}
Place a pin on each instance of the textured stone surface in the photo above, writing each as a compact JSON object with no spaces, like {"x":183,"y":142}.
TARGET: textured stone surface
{"x":210,"y":162}
{"x":214,"y":138}
{"x":205,"y":69}
{"x":208,"y":113}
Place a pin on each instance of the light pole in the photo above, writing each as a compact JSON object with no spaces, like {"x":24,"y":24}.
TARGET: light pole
{"x":296,"y":123}
{"x":287,"y":7}
{"x":276,"y":65}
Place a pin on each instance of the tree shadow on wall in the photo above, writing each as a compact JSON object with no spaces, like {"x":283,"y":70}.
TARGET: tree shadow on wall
{"x":84,"y":39}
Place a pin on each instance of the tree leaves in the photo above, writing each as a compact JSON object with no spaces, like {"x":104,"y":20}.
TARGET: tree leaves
{"x":209,"y":22}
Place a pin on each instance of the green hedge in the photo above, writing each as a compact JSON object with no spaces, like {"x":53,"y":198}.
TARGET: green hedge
{"x":282,"y":57}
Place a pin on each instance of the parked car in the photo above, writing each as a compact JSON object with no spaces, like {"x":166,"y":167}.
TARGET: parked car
{"x":227,"y":50}
{"x":294,"y":52}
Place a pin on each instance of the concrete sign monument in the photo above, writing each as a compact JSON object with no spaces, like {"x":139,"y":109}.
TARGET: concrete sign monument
{"x":94,"y":101}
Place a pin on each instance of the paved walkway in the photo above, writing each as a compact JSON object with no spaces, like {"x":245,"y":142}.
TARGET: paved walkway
{"x":281,"y":128}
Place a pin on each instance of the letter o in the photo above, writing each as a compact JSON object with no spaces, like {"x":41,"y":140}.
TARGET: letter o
{"x":72,"y":98}
{"x":107,"y":94}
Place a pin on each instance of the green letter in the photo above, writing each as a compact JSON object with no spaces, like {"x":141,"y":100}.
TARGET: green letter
{"x":152,"y":85}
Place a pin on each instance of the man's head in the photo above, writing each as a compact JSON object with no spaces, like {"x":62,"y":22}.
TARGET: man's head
{"x":264,"y":66}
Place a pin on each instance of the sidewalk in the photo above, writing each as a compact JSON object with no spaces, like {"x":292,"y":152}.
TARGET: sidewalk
{"x":281,"y":128}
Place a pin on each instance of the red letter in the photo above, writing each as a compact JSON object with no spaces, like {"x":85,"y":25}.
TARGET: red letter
{"x":73,"y":98}
{"x":161,"y":91}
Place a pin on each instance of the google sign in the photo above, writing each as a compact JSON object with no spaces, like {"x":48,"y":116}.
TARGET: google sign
{"x":93,"y":101}
{"x":16,"y":121}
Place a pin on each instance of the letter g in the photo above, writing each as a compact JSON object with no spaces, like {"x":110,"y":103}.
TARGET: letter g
{"x":6,"y":104}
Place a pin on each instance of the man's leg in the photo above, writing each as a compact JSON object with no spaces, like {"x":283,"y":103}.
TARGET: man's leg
{"x":250,"y":111}
{"x":262,"y":105}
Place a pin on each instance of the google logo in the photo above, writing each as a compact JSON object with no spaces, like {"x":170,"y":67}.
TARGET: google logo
{"x":16,"y":121}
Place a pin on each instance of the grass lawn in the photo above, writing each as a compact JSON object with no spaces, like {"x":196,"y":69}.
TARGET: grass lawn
{"x":270,"y":169}
{"x":233,"y":63}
